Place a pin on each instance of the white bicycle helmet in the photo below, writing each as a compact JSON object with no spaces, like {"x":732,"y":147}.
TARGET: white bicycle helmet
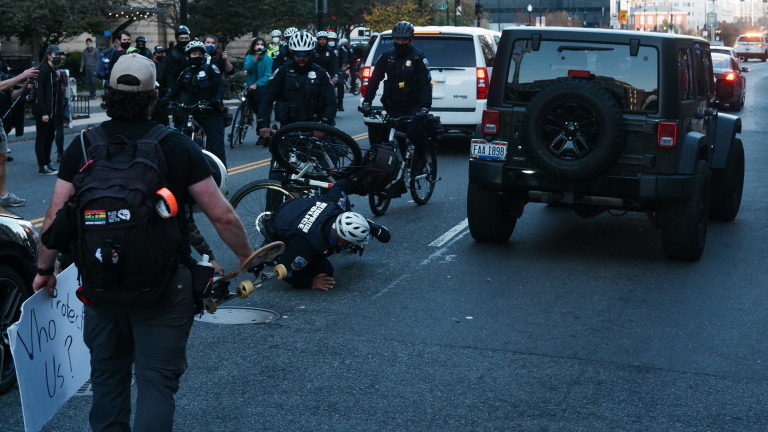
{"x":302,"y":41}
{"x":276,"y":32}
{"x":195,"y":44}
{"x":290,"y":31}
{"x":332,"y":35}
{"x":352,"y":227}
{"x":321,"y":33}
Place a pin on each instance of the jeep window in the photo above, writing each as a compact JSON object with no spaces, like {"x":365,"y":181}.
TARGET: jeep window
{"x":685,"y":75}
{"x":705,"y":81}
{"x":440,"y":51}
{"x":633,"y":80}
{"x":488,"y":52}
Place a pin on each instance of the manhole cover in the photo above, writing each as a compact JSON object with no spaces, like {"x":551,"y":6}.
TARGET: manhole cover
{"x":239,"y":315}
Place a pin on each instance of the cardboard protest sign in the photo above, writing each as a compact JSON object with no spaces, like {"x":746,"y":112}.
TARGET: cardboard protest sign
{"x":52,"y":361}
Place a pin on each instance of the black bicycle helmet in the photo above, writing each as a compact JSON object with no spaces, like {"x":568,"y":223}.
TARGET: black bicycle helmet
{"x":141,"y":39}
{"x":182,"y":30}
{"x":403,"y":29}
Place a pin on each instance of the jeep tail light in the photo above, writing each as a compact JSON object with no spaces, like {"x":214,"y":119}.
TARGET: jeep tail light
{"x":666,"y":135}
{"x":482,"y":83}
{"x":490,"y":122}
{"x":364,"y":83}
{"x":574,"y":73}
{"x":731,"y":76}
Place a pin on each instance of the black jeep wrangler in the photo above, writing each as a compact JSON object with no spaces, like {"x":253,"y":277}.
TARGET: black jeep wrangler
{"x":599,"y":120}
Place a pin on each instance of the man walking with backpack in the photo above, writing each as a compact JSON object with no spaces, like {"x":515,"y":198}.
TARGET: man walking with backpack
{"x":131,"y":179}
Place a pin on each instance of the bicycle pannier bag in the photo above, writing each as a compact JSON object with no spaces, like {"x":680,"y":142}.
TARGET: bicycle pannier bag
{"x":380,"y":167}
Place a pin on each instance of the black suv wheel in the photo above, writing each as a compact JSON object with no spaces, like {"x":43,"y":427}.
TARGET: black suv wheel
{"x":574,"y":130}
{"x":491,"y":215}
{"x":684,"y":225}
{"x":727,"y":185}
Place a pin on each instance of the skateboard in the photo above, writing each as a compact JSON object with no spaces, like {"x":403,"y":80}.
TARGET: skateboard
{"x":256,"y":263}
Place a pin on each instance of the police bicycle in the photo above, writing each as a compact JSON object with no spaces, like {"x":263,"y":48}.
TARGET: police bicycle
{"x":420,"y":181}
{"x":242,"y":120}
{"x":192,"y":128}
{"x":314,"y":155}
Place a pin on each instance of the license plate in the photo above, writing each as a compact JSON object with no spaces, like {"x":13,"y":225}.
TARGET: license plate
{"x":495,"y":150}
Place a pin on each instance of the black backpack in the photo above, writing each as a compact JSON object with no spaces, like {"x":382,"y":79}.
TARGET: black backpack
{"x":125,"y":251}
{"x":105,"y":63}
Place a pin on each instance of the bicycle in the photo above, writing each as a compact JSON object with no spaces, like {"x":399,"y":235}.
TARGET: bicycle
{"x":242,"y":120}
{"x":421,"y":185}
{"x":192,"y":129}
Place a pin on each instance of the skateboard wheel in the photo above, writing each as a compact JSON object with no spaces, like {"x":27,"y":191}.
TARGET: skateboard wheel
{"x":281,"y":271}
{"x":245,"y":288}
{"x":211,"y":306}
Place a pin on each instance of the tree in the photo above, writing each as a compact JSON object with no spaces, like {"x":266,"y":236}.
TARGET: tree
{"x":44,"y":22}
{"x":383,"y":16}
{"x":226,"y":19}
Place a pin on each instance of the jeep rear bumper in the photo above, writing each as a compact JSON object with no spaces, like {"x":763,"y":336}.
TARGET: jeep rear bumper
{"x":645,"y":187}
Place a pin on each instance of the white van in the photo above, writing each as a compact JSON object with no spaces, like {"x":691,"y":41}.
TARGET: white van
{"x":460,"y":62}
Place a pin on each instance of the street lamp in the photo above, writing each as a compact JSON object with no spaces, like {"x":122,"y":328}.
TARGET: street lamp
{"x":530,"y":9}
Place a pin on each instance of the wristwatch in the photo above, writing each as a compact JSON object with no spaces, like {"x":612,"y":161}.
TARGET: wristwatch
{"x":44,"y":272}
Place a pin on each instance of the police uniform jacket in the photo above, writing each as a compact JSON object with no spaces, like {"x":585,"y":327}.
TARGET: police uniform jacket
{"x":326,"y":58}
{"x":175,"y":63}
{"x":304,"y":225}
{"x":199,"y":84}
{"x":407,"y":86}
{"x":298,"y":96}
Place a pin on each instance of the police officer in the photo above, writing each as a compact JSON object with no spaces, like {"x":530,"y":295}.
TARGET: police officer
{"x":301,"y":91}
{"x":312,"y":231}
{"x":161,"y":112}
{"x":202,"y":83}
{"x":274,"y":46}
{"x":176,"y":60}
{"x":342,"y":58}
{"x":407,"y":90}
{"x":141,"y":45}
{"x":325,"y":57}
{"x":284,"y":54}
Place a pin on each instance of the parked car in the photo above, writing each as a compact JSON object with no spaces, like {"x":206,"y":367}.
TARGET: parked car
{"x":18,"y":254}
{"x":599,"y":120}
{"x":731,"y":84}
{"x":461,"y":62}
{"x":751,"y":45}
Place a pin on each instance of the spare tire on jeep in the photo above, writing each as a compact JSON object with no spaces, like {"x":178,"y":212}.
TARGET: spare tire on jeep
{"x":573,"y":130}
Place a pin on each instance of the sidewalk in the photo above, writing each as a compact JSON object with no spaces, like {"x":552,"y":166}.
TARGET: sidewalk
{"x":97,"y":116}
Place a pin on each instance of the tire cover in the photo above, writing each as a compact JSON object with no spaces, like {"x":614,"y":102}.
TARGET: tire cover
{"x":573,"y":130}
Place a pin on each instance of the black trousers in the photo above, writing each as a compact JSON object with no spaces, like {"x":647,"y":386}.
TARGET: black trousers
{"x":153,"y":337}
{"x":45,"y":132}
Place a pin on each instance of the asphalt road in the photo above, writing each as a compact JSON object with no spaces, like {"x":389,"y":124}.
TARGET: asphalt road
{"x":574,"y":325}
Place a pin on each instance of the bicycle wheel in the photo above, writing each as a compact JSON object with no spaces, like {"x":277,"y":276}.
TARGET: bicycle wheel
{"x":237,"y":125}
{"x":296,"y":149}
{"x":379,"y":201}
{"x":253,"y":200}
{"x":423,"y":184}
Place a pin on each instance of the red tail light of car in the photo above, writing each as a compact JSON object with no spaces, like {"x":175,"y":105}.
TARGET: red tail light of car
{"x":482,"y":83}
{"x":364,"y":83}
{"x":730,"y":76}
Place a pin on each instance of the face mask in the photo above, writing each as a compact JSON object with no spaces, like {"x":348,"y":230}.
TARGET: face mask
{"x":275,"y":39}
{"x":89,"y":46}
{"x":402,"y":49}
{"x":182,"y":43}
{"x":331,"y":44}
{"x":56,"y":61}
{"x":209,"y":48}
{"x":125,"y":45}
{"x":196,"y":61}
{"x":160,"y":58}
{"x":259,"y":48}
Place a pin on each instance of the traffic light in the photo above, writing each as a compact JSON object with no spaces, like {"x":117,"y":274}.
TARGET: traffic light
{"x":718,"y":34}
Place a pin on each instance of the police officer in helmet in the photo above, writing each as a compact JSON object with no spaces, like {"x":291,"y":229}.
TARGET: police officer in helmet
{"x":176,"y":60}
{"x":202,"y":83}
{"x":300,"y":90}
{"x":407,"y":89}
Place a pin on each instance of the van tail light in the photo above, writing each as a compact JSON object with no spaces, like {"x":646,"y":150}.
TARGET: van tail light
{"x":490,"y":122}
{"x":364,"y":80}
{"x":731,"y":76}
{"x":759,"y":45}
{"x":666,"y":134}
{"x":482,"y":83}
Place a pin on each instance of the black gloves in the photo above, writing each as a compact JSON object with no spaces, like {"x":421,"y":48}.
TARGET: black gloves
{"x":366,"y":109}
{"x":421,"y":114}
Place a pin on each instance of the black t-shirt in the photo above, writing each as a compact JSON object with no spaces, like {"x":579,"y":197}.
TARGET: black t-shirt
{"x":185,"y":162}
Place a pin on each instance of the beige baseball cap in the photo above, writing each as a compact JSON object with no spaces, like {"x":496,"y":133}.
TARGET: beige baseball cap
{"x":133,"y":73}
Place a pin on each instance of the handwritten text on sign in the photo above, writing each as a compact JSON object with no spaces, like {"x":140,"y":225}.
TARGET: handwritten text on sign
{"x":52,"y":361}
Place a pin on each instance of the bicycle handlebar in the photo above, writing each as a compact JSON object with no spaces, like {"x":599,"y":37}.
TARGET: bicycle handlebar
{"x":200,"y":106}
